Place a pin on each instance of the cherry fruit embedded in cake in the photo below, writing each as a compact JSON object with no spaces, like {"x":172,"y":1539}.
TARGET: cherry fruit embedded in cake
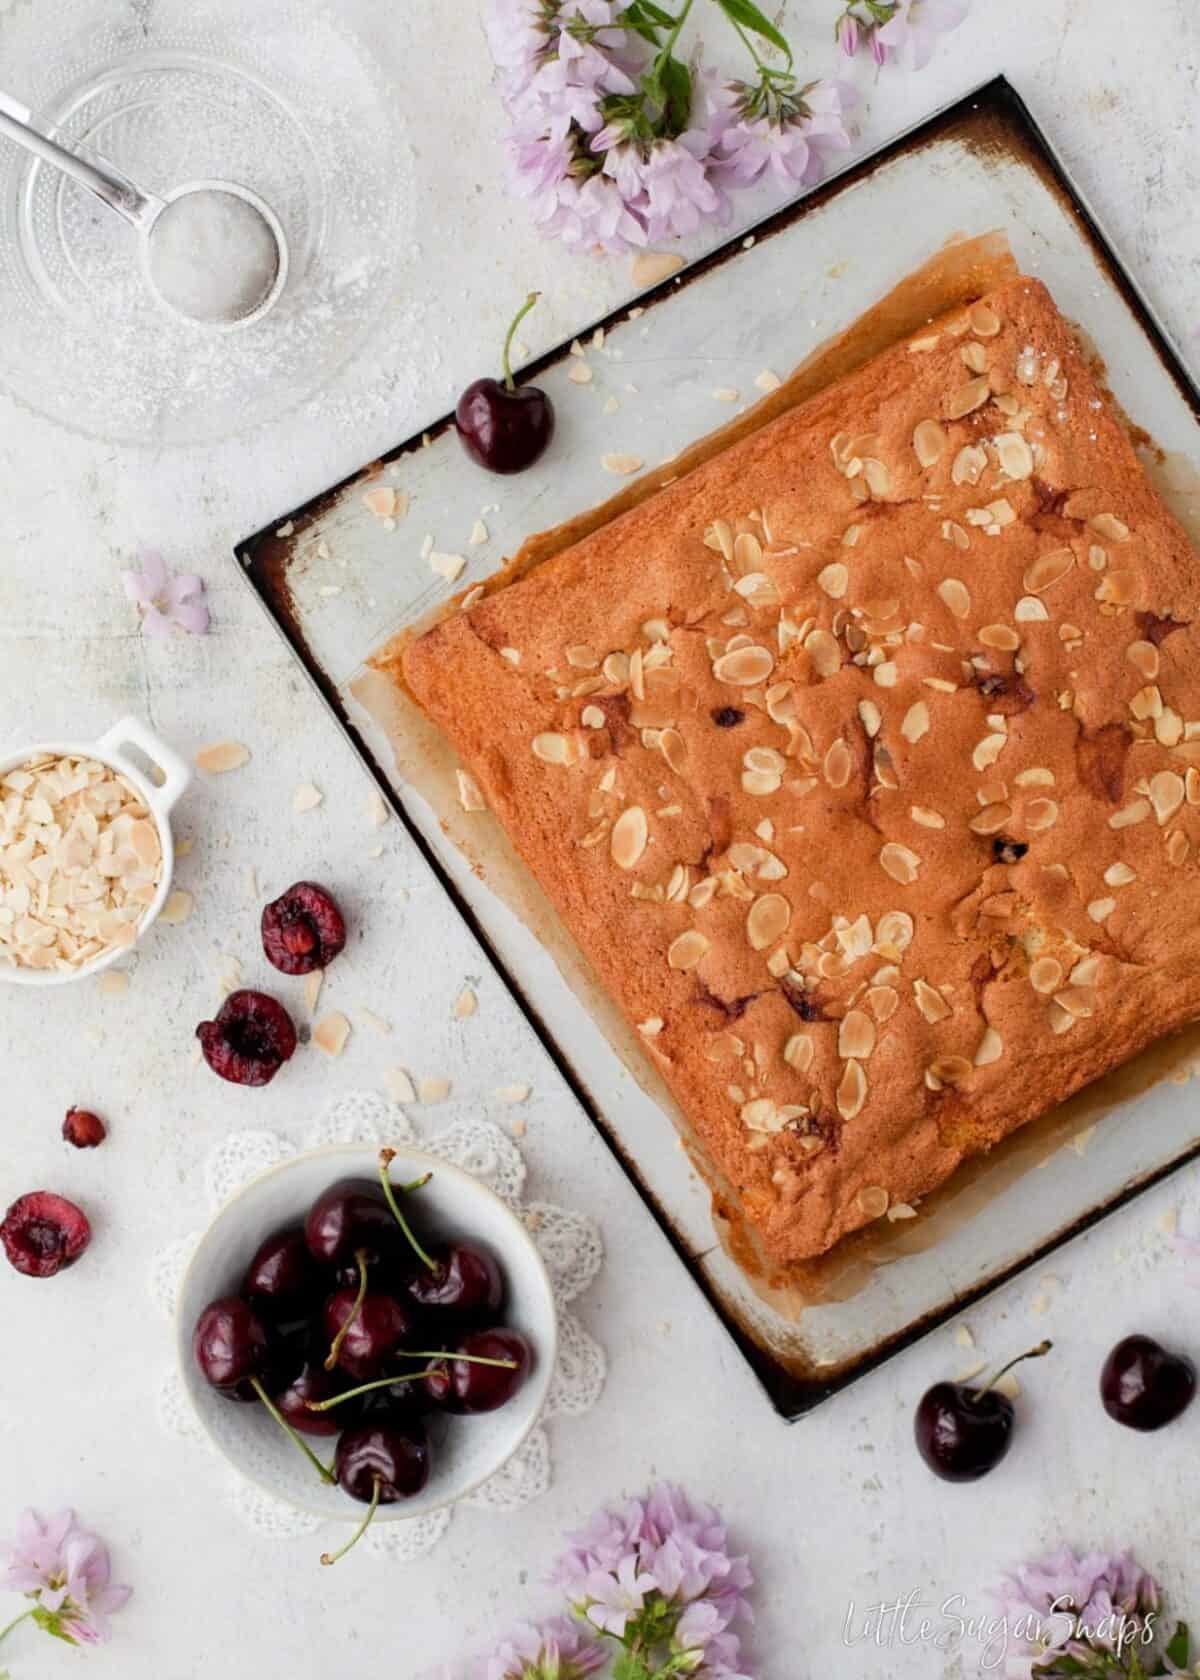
{"x":303,"y":929}
{"x":1144,"y":1386}
{"x":250,"y":1039}
{"x":505,"y":426}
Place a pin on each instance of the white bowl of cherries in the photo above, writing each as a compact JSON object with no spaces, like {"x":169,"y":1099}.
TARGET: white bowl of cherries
{"x":366,"y":1334}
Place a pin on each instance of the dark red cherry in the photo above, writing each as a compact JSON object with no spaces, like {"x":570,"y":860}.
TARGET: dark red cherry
{"x":231,"y":1346}
{"x":372,"y":1332}
{"x":1144,"y":1386}
{"x":503,"y":426}
{"x":351,"y":1214}
{"x":282,"y":1279}
{"x":391,"y":1451}
{"x":465,"y":1281}
{"x":962,"y":1431}
{"x":250,"y":1039}
{"x":459,"y":1385}
{"x":312,"y":1382}
{"x":303,"y":929}
{"x":42,"y":1234}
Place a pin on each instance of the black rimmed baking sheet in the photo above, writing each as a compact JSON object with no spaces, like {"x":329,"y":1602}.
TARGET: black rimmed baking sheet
{"x":339,"y":581}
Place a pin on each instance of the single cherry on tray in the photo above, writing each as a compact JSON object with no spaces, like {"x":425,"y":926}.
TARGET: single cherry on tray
{"x":962,"y":1431}
{"x":503,"y":426}
{"x":303,"y":929}
{"x":250,"y":1039}
{"x":1144,"y":1386}
{"x":43,"y":1234}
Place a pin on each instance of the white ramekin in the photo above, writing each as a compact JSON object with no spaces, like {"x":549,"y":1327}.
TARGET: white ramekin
{"x":159,"y":800}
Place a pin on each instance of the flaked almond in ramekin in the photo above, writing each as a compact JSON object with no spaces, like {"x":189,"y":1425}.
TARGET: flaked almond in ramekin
{"x":86,"y":853}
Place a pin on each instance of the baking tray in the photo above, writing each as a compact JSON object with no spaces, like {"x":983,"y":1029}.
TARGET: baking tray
{"x":339,"y":581}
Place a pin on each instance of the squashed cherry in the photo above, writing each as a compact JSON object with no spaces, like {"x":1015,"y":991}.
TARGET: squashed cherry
{"x":303,"y":929}
{"x":250,"y":1039}
{"x":44,"y":1234}
{"x":503,"y":426}
{"x":83,"y":1129}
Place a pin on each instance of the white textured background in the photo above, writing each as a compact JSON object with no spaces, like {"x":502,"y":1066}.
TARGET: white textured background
{"x":837,"y":1507}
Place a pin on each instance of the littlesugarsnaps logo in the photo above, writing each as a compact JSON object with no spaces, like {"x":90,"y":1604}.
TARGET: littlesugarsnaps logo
{"x":950,"y":1626}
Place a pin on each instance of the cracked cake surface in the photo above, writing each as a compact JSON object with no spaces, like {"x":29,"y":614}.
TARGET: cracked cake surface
{"x":864,"y":765}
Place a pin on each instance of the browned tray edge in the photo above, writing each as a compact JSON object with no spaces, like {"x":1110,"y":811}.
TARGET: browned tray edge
{"x":264,"y":559}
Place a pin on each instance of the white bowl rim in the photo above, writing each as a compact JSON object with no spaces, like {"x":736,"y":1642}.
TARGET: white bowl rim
{"x":159,"y":801}
{"x":543,"y":1369}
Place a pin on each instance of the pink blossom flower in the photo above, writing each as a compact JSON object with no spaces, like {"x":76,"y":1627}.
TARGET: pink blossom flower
{"x":915,"y":25}
{"x":791,"y":139}
{"x":847,"y":32}
{"x":165,"y":601}
{"x":66,"y":1572}
{"x":555,"y":1650}
{"x":666,"y":185}
{"x":1072,"y":1605}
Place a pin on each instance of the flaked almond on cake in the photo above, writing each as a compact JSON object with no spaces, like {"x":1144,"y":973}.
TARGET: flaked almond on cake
{"x":863,"y":763}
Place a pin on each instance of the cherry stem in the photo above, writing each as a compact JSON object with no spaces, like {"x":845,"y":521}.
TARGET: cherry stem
{"x":449,"y":1354}
{"x":386,"y":1157}
{"x":407,"y":1376}
{"x":360,"y":1260}
{"x":364,"y":1525}
{"x":517,"y":319}
{"x":16,"y":1622}
{"x":1033,"y":1353}
{"x":323,"y":1470}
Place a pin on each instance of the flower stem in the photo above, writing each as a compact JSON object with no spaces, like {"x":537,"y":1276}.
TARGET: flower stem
{"x":360,"y":1259}
{"x":1033,"y":1353}
{"x":508,"y":375}
{"x":387,"y":1156}
{"x":322,"y":1470}
{"x":668,"y":45}
{"x":364,"y":1525}
{"x":16,"y":1622}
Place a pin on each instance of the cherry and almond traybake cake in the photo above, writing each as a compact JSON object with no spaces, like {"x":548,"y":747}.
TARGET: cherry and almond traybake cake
{"x":863,"y":763}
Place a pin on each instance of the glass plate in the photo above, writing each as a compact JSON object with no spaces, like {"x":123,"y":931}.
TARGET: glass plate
{"x":340,"y":582}
{"x":280,"y":97}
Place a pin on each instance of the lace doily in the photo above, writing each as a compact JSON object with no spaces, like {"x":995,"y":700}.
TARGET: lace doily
{"x":570,"y":1246}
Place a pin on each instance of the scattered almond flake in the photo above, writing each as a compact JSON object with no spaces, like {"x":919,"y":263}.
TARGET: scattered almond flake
{"x":312,"y":989}
{"x":184,"y":846}
{"x":381,"y":500}
{"x":177,"y":909}
{"x":648,"y":268}
{"x":471,"y":597}
{"x":1100,"y":909}
{"x":95,"y":1037}
{"x":375,"y":852}
{"x":465,"y":1004}
{"x":434,"y":1088}
{"x":376,"y":808}
{"x":767,"y":381}
{"x":1008,"y":1386}
{"x":579,"y":373}
{"x":901,"y":1210}
{"x":286,"y":529}
{"x":611,"y":405}
{"x":963,"y":1337}
{"x":399,"y":1085}
{"x":512,"y":1093}
{"x":479,"y":534}
{"x":330,"y":589}
{"x":222,"y":756}
{"x":970,"y":1372}
{"x":331,"y":1033}
{"x":448,"y":566}
{"x":726,"y":393}
{"x":375,"y":1022}
{"x":306,"y":797}
{"x":624,"y":464}
{"x":873,"y":1201}
{"x":469,"y":796}
{"x":113,"y":983}
{"x":1168,"y":1221}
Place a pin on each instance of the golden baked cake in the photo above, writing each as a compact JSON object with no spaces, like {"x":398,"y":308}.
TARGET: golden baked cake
{"x":864,"y":765}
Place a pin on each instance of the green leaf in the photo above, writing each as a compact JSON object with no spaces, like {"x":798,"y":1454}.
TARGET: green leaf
{"x":676,"y":81}
{"x":630,"y":1666}
{"x":747,"y":14}
{"x":1180,"y":1646}
{"x":646,"y":19}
